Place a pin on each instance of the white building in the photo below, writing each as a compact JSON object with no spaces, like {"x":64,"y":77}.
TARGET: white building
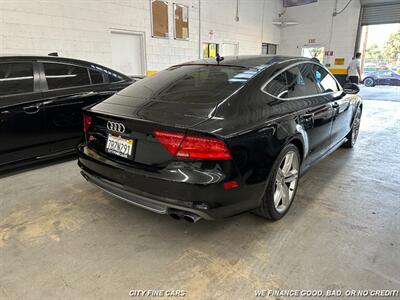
{"x":118,"y":33}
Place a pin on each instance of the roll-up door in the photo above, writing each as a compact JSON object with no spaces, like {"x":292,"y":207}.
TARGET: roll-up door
{"x":384,"y":13}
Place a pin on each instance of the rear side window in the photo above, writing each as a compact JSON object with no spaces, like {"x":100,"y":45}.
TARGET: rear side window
{"x":16,"y":78}
{"x":191,"y":84}
{"x":96,"y":76}
{"x":278,"y":86}
{"x":112,"y":77}
{"x":298,"y":81}
{"x":301,"y":81}
{"x":325,"y":81}
{"x":64,"y":76}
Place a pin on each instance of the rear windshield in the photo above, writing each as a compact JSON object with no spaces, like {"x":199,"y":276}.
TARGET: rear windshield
{"x":191,"y":84}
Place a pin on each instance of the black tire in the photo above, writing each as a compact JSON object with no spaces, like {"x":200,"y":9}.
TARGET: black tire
{"x":355,"y":128}
{"x":369,"y":82}
{"x":267,"y":208}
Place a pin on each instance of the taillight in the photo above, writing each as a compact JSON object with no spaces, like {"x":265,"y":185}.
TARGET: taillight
{"x":87,"y":120}
{"x":191,"y":146}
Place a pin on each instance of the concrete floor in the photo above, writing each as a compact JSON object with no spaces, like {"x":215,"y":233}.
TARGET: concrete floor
{"x":380,"y":92}
{"x":63,"y":238}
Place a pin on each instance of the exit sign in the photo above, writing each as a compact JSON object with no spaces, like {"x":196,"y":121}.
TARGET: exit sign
{"x":312,"y":41}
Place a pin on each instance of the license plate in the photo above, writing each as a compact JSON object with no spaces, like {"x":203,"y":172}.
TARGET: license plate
{"x":119,"y":146}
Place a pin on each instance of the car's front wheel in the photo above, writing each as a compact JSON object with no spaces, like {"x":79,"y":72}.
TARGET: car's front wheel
{"x":282,"y":184}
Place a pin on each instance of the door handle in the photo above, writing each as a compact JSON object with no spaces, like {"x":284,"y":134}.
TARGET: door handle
{"x":31,"y":109}
{"x":307,"y":116}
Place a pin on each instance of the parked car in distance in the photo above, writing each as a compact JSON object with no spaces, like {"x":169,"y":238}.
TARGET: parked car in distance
{"x":41,"y":101}
{"x":383,"y":77}
{"x":211,"y":139}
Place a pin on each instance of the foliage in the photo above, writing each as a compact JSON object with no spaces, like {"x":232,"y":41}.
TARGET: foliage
{"x":392,"y":46}
{"x":374,"y":52}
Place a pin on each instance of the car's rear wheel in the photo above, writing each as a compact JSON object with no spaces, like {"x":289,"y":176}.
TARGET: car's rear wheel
{"x":369,"y":82}
{"x":282,"y":184}
{"x":355,"y":128}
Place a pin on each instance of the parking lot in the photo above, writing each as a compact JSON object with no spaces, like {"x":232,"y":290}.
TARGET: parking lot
{"x":61,"y":234}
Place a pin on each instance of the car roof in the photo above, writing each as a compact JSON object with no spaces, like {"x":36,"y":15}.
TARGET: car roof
{"x":249,"y":61}
{"x":10,"y":57}
{"x":45,"y":57}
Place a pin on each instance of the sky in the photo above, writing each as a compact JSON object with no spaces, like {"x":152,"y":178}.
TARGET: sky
{"x":379,"y":34}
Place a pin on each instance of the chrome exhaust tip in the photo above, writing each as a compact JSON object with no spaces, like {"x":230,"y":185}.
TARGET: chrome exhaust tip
{"x":175,"y":214}
{"x":85,"y":176}
{"x":191,"y":218}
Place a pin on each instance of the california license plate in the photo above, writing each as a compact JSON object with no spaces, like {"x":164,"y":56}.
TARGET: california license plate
{"x":119,"y":146}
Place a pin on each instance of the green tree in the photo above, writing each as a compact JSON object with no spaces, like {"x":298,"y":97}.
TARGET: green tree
{"x":392,"y":46}
{"x":373,"y":52}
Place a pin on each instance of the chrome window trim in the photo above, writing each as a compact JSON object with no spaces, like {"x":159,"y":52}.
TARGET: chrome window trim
{"x":300,"y":97}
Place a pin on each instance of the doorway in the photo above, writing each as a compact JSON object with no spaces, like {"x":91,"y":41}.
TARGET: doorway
{"x":267,"y":48}
{"x":380,"y":49}
{"x":313,"y":52}
{"x":128,"y":52}
{"x":229,"y":49}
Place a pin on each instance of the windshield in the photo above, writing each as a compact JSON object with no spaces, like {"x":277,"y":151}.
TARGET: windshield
{"x":191,"y":84}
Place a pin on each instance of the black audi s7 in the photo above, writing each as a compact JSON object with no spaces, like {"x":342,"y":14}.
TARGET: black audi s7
{"x":211,"y":139}
{"x":41,"y":101}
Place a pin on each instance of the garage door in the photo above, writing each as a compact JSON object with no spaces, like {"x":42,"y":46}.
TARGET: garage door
{"x":375,"y":13}
{"x":127,"y":53}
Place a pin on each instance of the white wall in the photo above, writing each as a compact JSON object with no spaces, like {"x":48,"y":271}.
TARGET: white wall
{"x":315,"y":21}
{"x":81,"y":28}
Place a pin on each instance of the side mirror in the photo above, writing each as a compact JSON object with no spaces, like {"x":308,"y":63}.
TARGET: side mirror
{"x":351,"y":88}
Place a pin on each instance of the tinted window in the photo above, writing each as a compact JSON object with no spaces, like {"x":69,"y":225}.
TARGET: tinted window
{"x":325,"y":81}
{"x":301,"y":81}
{"x":63,"y":76}
{"x":278,"y":86}
{"x":16,"y":78}
{"x":191,"y":84}
{"x":298,"y":81}
{"x":96,"y":76}
{"x":112,"y":77}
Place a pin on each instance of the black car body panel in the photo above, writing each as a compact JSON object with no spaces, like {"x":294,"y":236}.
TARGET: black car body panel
{"x":254,"y":125}
{"x":383,"y":77}
{"x":41,"y":113}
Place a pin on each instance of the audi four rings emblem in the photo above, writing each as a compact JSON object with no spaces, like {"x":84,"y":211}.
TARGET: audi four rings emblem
{"x":116,"y":127}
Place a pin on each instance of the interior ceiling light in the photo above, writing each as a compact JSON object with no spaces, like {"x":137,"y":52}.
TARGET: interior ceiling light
{"x":285,"y":23}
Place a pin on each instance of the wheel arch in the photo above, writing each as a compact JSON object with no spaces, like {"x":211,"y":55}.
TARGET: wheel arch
{"x":298,"y":141}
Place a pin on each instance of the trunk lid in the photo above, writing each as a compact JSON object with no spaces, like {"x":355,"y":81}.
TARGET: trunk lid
{"x":140,"y":118}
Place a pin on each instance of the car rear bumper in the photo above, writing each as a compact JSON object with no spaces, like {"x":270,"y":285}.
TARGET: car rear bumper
{"x":119,"y":191}
{"x":161,"y":194}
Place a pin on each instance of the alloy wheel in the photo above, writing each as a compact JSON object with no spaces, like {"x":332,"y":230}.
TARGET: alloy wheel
{"x":285,"y":181}
{"x":356,"y":127}
{"x":369,"y":82}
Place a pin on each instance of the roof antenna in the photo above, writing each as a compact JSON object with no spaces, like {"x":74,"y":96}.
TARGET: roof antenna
{"x":219,"y":58}
{"x":53,"y":54}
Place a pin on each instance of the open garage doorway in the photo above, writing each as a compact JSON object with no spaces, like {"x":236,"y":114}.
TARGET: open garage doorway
{"x":379,"y":43}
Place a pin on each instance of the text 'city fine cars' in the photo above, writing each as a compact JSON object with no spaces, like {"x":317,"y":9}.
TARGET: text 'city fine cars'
{"x":41,"y":101}
{"x":211,"y":139}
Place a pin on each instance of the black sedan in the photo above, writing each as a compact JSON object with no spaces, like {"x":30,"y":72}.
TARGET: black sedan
{"x":210,"y":139}
{"x":382,"y":77}
{"x":41,"y":101}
